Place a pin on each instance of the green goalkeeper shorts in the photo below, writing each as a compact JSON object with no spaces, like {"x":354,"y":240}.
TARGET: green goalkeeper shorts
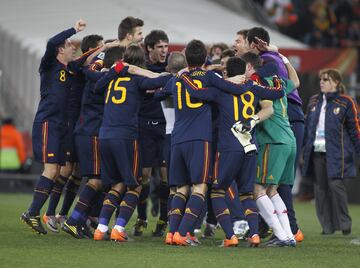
{"x":275,"y":164}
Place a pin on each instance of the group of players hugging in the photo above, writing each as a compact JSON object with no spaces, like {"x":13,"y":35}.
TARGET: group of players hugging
{"x":223,"y":139}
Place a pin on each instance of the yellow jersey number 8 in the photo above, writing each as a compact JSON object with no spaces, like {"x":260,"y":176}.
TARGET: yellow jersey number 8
{"x":188,"y":102}
{"x":117,"y":87}
{"x":248,"y":109}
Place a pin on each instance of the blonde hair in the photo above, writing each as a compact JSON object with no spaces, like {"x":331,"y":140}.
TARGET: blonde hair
{"x":335,"y":75}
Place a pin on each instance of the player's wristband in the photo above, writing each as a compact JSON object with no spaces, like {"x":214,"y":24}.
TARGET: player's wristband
{"x":284,"y":59}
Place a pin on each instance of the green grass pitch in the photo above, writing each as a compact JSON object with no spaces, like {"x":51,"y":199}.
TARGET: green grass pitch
{"x":20,"y":247}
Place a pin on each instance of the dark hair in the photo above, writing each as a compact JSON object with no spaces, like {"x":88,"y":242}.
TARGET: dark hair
{"x":155,"y":37}
{"x":243,"y":32}
{"x":134,"y":55}
{"x":222,"y":47}
{"x":176,"y":62}
{"x":7,"y":121}
{"x":235,"y":66}
{"x":228,"y":53}
{"x":128,"y":25}
{"x":195,"y":53}
{"x":335,"y":75}
{"x":112,"y":55}
{"x":253,"y":59}
{"x":90,"y":41}
{"x":258,"y":32}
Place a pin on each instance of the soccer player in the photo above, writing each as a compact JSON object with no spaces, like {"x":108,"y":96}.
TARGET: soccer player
{"x":294,"y":110}
{"x":240,"y":45}
{"x":119,"y":133}
{"x":78,"y":82}
{"x":190,"y":153}
{"x":152,"y":125}
{"x":277,"y":150}
{"x":87,"y":144}
{"x":130,"y":31}
{"x":232,"y":163}
{"x":50,"y":119}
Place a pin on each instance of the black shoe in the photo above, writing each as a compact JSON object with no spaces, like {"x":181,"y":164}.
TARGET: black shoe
{"x":276,"y":242}
{"x":160,"y":229}
{"x":34,"y":222}
{"x":327,"y":233}
{"x":346,"y":232}
{"x":139,"y":227}
{"x":72,"y":230}
{"x":86,"y":232}
{"x":209,"y":231}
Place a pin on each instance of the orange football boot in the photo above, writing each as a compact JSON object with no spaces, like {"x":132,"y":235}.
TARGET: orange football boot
{"x":100,"y":236}
{"x":193,"y":238}
{"x":254,"y":241}
{"x":118,"y":236}
{"x":232,"y":242}
{"x":299,"y":236}
{"x":181,"y":240}
{"x":169,"y":239}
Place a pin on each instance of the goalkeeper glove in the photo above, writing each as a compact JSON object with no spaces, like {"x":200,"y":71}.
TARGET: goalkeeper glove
{"x":247,"y":125}
{"x":245,"y":140}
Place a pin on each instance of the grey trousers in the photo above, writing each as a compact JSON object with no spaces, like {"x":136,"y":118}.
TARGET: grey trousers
{"x":330,"y":198}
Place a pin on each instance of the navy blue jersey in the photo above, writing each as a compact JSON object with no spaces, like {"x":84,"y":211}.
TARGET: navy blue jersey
{"x":75,"y":96}
{"x":92,"y":106}
{"x":233,"y":108}
{"x":55,"y":83}
{"x":122,"y":102}
{"x":193,"y":118}
{"x":150,"y":109}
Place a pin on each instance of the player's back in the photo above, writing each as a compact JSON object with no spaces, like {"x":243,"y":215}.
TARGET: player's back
{"x":192,"y":117}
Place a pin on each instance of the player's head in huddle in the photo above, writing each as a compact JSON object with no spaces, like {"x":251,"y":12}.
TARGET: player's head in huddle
{"x":260,"y":33}
{"x":112,"y":55}
{"x":157,"y":46}
{"x":235,"y":66}
{"x":253,"y":63}
{"x":176,"y":62}
{"x":130,"y":30}
{"x":91,"y":41}
{"x":134,"y":55}
{"x":195,"y":53}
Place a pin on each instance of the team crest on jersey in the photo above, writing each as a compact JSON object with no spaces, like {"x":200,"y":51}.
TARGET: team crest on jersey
{"x":313,"y":109}
{"x":101,"y":55}
{"x":336,"y":110}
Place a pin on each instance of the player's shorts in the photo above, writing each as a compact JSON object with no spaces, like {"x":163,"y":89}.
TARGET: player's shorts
{"x":88,"y":151}
{"x":120,"y":162}
{"x":48,"y":141}
{"x":235,"y":166}
{"x":151,"y":139}
{"x":275,"y":164}
{"x":70,"y":153}
{"x":190,"y":163}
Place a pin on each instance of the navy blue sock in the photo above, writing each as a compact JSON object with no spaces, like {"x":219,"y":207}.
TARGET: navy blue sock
{"x":177,"y":211}
{"x":71,"y":189}
{"x":192,"y":212}
{"x":127,"y":207}
{"x":222,"y":212}
{"x":142,"y":203}
{"x":97,"y":205}
{"x":234,"y":204}
{"x":163,"y":196}
{"x":41,"y":193}
{"x":84,"y":204}
{"x":286,"y":195}
{"x":111,"y":202}
{"x":251,"y":215}
{"x":210,"y":217}
{"x":55,"y":195}
{"x":170,"y":198}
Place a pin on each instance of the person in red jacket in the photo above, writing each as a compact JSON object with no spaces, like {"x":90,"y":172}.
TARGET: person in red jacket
{"x":12,"y":148}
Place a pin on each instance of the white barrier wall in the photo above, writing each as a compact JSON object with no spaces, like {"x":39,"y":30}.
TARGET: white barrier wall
{"x":20,"y":83}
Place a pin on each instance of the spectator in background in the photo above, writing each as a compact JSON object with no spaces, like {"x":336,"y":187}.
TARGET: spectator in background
{"x":12,"y":148}
{"x":332,"y":136}
{"x":215,"y":52}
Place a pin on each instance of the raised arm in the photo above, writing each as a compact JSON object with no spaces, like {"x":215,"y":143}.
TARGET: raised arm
{"x":291,"y":71}
{"x":55,"y":41}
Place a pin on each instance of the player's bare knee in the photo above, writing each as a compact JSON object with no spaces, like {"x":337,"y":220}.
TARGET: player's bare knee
{"x":119,"y":187}
{"x":66,"y":170}
{"x":135,"y":188}
{"x":200,"y":188}
{"x":172,"y":190}
{"x":259,"y":190}
{"x":184,"y":190}
{"x":51,"y":171}
{"x":243,"y":196}
{"x":272,"y":190}
{"x":96,"y":183}
{"x":163,"y":175}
